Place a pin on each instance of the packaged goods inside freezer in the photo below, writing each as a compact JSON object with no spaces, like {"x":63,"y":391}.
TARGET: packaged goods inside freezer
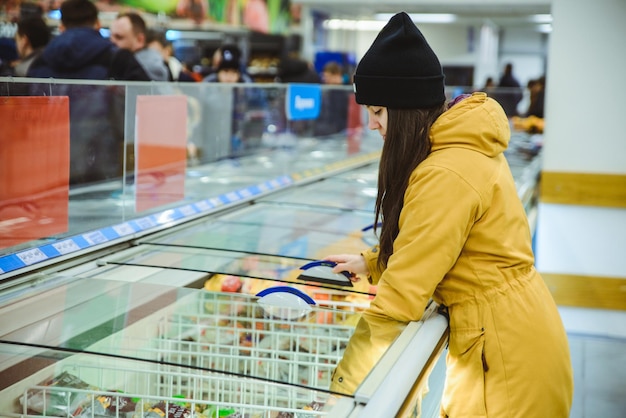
{"x":232,"y":333}
{"x":88,"y":401}
{"x":58,"y":399}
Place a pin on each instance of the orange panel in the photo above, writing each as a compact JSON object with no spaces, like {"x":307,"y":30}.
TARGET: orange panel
{"x":34,"y":168}
{"x":160,"y":150}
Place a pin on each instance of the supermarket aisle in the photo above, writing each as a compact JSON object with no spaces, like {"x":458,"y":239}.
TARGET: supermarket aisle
{"x":598,"y":346}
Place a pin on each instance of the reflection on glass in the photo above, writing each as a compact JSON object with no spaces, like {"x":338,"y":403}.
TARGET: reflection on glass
{"x":97,"y":386}
{"x":194,"y":349}
{"x":235,"y":137}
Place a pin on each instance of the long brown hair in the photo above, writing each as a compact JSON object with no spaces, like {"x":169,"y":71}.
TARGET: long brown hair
{"x":407,"y":144}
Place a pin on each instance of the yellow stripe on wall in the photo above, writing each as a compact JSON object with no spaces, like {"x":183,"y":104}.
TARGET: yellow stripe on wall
{"x":584,"y":189}
{"x":587,"y":291}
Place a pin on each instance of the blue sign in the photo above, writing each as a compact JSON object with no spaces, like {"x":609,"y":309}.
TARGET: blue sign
{"x":303,"y":101}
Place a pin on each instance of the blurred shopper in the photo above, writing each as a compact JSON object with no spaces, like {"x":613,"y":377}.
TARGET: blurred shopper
{"x":8,"y":55}
{"x":177,"y":71}
{"x":489,"y":84}
{"x":229,"y":67}
{"x":509,"y":92}
{"x":333,"y":118}
{"x":129,"y":31}
{"x":536,"y":90}
{"x":31,"y":37}
{"x":297,"y":70}
{"x":454,"y":230}
{"x":79,"y":51}
{"x":293,"y":69}
{"x":96,"y":111}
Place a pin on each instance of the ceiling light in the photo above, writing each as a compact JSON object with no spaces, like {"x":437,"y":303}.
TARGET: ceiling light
{"x":544,"y":28}
{"x":543,"y":18}
{"x":345,"y":24}
{"x":423,"y":17}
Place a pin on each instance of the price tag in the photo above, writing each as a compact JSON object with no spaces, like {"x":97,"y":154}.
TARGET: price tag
{"x":65,"y":247}
{"x":188,"y":210}
{"x":144,"y":223}
{"x":204,"y":205}
{"x":32,"y":256}
{"x":123,"y":229}
{"x":96,"y":237}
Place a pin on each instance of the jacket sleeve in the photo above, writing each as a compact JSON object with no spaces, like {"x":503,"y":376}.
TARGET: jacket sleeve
{"x":371,"y":261}
{"x":372,"y":336}
{"x":124,"y":66}
{"x":439,"y":210}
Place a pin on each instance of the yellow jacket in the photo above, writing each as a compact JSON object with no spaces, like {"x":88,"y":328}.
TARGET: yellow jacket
{"x":464,"y":241}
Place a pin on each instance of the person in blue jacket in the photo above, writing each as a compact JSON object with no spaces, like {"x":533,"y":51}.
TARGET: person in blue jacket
{"x":96,"y":111}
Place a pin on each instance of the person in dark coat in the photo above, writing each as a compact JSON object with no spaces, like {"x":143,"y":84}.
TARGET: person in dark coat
{"x":296,"y":70}
{"x":509,"y":92}
{"x":537,"y":97}
{"x":333,"y":118}
{"x":31,"y":37}
{"x":96,"y":111}
{"x":80,"y":52}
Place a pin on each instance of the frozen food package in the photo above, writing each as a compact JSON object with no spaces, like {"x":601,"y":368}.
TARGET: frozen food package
{"x":167,"y":410}
{"x":108,"y":405}
{"x":59,"y":398}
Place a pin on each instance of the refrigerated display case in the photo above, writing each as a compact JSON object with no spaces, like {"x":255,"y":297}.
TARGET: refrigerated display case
{"x":185,"y":350}
{"x":163,"y":309}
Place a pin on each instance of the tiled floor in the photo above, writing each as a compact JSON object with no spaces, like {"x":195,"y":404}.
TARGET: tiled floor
{"x":598,"y":347}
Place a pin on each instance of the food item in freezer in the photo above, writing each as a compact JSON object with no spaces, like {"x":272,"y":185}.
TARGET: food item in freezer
{"x":106,"y":405}
{"x":231,"y":284}
{"x":313,"y":406}
{"x":58,"y":399}
{"x":173,"y":410}
{"x":87,"y":401}
{"x":216,"y":412}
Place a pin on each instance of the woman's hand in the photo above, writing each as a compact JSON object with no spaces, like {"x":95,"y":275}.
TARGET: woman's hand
{"x":352,"y":263}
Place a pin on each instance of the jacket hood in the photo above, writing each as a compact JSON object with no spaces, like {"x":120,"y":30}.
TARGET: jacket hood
{"x":477,"y":123}
{"x":75,"y":48}
{"x":153,"y":64}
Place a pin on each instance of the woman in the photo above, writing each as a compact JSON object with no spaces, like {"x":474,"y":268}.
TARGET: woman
{"x":454,"y":230}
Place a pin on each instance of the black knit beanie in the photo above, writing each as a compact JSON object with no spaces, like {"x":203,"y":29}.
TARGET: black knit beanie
{"x":399,"y":70}
{"x":231,"y":57}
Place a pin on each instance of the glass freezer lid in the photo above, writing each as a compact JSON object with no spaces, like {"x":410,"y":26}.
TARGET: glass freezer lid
{"x":89,"y":385}
{"x":193,"y":349}
{"x":250,"y":273}
{"x":330,"y":193}
{"x":204,"y":331}
{"x":367,"y":175}
{"x":277,"y":229}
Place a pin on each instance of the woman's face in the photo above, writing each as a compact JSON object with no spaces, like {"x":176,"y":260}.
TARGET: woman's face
{"x":377,"y":119}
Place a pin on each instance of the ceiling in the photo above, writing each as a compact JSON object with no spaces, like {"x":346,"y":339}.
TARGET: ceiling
{"x":501,"y":12}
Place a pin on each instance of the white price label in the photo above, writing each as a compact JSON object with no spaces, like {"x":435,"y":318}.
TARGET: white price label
{"x":188,"y":210}
{"x":65,"y":247}
{"x":204,"y":205}
{"x":145,"y":223}
{"x":95,"y":237}
{"x":32,"y":256}
{"x":123,"y":229}
{"x":232,"y":197}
